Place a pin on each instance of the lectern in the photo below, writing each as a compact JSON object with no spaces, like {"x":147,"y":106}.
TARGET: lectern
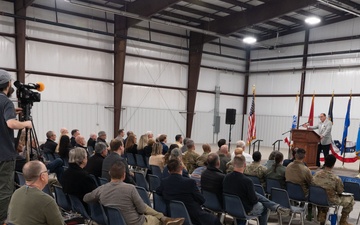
{"x":307,"y":140}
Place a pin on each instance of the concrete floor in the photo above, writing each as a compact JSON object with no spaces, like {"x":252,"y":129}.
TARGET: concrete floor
{"x":349,"y":169}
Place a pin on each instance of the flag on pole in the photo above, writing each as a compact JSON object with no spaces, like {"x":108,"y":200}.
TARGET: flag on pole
{"x":252,"y":121}
{"x":357,"y":148}
{"x":295,"y":113}
{"x":346,"y":126}
{"x":330,"y":112}
{"x":311,"y":114}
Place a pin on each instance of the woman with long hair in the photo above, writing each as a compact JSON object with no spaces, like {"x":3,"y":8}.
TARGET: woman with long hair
{"x":277,"y":170}
{"x":131,"y":146}
{"x":64,"y":148}
{"x":157,"y":158}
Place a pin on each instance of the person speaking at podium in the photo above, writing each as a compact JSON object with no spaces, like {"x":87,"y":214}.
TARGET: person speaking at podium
{"x":324,"y":128}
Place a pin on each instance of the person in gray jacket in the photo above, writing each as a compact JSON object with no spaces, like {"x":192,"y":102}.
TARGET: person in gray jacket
{"x":324,"y":128}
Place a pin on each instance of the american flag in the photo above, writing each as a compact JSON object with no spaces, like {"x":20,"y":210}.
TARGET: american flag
{"x":252,"y":121}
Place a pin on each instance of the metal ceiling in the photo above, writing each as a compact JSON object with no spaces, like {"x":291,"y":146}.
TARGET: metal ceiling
{"x":264,"y":19}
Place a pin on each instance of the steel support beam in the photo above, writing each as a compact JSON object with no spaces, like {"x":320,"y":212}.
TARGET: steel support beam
{"x":246,"y":88}
{"x":119,"y":67}
{"x":195,"y":55}
{"x":303,"y":74}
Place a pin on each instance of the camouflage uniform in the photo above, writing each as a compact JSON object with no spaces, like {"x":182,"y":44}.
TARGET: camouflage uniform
{"x":278,"y":174}
{"x":297,"y":173}
{"x":258,"y":170}
{"x":189,"y":159}
{"x":200,"y":161}
{"x":334,"y":187}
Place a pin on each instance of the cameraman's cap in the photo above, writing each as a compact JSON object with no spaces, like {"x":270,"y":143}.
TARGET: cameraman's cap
{"x":4,"y":77}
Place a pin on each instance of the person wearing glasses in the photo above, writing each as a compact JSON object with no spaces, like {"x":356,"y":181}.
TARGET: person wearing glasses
{"x":324,"y":128}
{"x":29,"y":204}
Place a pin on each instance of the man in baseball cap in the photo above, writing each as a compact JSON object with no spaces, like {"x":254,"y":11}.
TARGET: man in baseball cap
{"x":8,"y":123}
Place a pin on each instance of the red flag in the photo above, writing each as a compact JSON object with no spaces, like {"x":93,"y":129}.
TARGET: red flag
{"x":252,"y":121}
{"x":311,"y":114}
{"x":286,"y":140}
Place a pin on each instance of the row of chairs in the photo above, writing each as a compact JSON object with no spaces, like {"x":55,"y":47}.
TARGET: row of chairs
{"x":137,"y":161}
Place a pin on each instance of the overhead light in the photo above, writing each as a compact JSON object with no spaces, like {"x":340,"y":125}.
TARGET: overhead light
{"x":249,"y":40}
{"x":312,"y":20}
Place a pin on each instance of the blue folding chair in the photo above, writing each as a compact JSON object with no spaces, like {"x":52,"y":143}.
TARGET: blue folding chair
{"x":159,"y":204}
{"x":144,"y":195}
{"x":155,"y":170}
{"x":254,"y":179}
{"x":353,"y":188}
{"x":103,"y":180}
{"x":61,"y":198}
{"x":131,"y":159}
{"x":281,"y":197}
{"x":20,"y":180}
{"x":154,"y":182}
{"x":272,"y":183}
{"x":114,"y":216}
{"x":318,"y":197}
{"x":97,"y":213}
{"x":140,"y":162}
{"x":212,"y":202}
{"x":140,"y":180}
{"x":259,"y":189}
{"x":178,"y":210}
{"x":235,"y":208}
{"x":94,"y":179}
{"x":47,"y":190}
{"x":77,"y":206}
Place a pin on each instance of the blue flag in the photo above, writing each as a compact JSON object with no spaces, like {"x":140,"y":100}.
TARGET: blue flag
{"x":358,"y":144}
{"x":346,"y":126}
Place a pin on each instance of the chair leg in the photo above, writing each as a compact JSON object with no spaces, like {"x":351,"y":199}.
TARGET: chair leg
{"x":357,"y":221}
{"x":280,"y":218}
{"x":291,"y":218}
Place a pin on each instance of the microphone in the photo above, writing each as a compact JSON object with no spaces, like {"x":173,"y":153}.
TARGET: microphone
{"x":39,"y":86}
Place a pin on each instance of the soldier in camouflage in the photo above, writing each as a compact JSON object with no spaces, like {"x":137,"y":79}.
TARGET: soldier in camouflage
{"x":190,"y":156}
{"x":334,"y":187}
{"x":256,"y":169}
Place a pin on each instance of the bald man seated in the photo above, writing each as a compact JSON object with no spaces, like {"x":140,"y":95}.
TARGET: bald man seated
{"x":29,"y":204}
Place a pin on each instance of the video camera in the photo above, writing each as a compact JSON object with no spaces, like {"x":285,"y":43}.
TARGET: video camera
{"x":27,"y":97}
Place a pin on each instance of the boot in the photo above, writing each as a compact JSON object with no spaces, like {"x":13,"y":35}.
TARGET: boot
{"x":321,"y":217}
{"x":343,"y":219}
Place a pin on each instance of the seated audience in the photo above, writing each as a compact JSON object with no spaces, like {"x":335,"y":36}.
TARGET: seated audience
{"x":125,"y":198}
{"x":201,"y":160}
{"x":277,"y":170}
{"x":242,"y":144}
{"x":94,"y":165}
{"x":229,"y":165}
{"x":157,"y":158}
{"x":179,"y":140}
{"x":271,"y":160}
{"x":102,"y":138}
{"x":81,"y":143}
{"x":256,"y":169}
{"x":212,"y":178}
{"x":142,"y":143}
{"x":224,"y":157}
{"x":177,"y":187}
{"x":288,"y":161}
{"x":175,"y":154}
{"x":236,"y":183}
{"x":121,"y":135}
{"x":29,"y":204}
{"x":127,"y":135}
{"x":184,"y":148}
{"x":190,"y":156}
{"x":163,"y":140}
{"x":116,"y":151}
{"x":75,"y":180}
{"x":167,"y":155}
{"x":50,"y":145}
{"x":64,"y":148}
{"x":333,"y":185}
{"x":220,"y":143}
{"x":92,"y":141}
{"x":64,"y":131}
{"x":131,"y":146}
{"x":74,"y":134}
{"x":148,"y":148}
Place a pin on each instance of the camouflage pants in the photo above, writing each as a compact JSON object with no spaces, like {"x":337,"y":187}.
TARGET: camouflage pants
{"x":347,"y":202}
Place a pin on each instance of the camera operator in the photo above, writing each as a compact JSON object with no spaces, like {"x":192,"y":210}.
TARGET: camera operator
{"x":8,"y":123}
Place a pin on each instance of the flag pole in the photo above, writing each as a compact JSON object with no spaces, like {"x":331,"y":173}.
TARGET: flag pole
{"x":343,"y":161}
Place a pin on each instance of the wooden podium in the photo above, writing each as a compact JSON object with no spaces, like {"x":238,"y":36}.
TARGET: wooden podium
{"x":307,"y":140}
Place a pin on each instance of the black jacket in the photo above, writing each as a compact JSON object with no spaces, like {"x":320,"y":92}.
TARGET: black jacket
{"x":211,"y":181}
{"x":94,"y":165}
{"x":49,"y":146}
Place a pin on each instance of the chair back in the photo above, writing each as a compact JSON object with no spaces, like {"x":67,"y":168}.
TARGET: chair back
{"x":353,"y":188}
{"x":61,"y":198}
{"x":259,"y":189}
{"x":20,"y":178}
{"x":77,"y":206}
{"x":159,"y":204}
{"x":47,"y":190}
{"x":254,"y":179}
{"x":270,"y":183}
{"x":144,"y":195}
{"x":212,"y":202}
{"x":140,"y":161}
{"x":318,"y":196}
{"x":295,"y":192}
{"x":130,"y":159}
{"x":154,"y":182}
{"x":178,"y":210}
{"x":94,"y":179}
{"x":234,"y":206}
{"x":97,"y":213}
{"x":155,"y":170}
{"x":141,"y":181}
{"x":103,"y":180}
{"x":114,"y":216}
{"x":49,"y":156}
{"x":281,"y":197}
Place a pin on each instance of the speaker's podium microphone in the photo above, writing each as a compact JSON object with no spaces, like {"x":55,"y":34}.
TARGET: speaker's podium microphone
{"x":40,"y":86}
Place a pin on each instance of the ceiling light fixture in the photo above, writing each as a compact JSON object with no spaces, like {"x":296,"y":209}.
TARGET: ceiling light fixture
{"x":249,"y":40}
{"x":312,"y":20}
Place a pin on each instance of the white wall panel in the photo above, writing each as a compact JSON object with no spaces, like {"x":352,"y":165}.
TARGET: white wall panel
{"x":7,"y":23}
{"x":283,"y":83}
{"x":291,"y":38}
{"x":66,"y":60}
{"x":211,"y":48}
{"x":334,"y":46}
{"x":74,"y":91}
{"x":341,"y":29}
{"x":171,"y":29}
{"x":233,"y":52}
{"x":326,"y":81}
{"x":156,"y":98}
{"x":88,"y":118}
{"x":221,"y":62}
{"x":157,"y":51}
{"x":334,"y":60}
{"x":276,"y":64}
{"x":7,"y":49}
{"x":147,"y":71}
{"x":279,"y":52}
{"x":228,"y":82}
{"x":206,"y":103}
{"x":273,"y":106}
{"x":167,"y":39}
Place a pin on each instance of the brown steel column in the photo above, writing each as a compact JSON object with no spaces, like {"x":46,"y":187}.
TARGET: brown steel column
{"x":246,"y":88}
{"x":195,"y":55}
{"x":303,"y":74}
{"x":20,"y":32}
{"x":119,"y":67}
